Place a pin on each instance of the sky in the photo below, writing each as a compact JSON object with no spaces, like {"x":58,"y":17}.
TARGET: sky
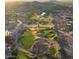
{"x":37,"y":0}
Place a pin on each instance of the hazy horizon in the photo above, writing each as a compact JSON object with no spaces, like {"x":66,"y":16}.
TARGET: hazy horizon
{"x":38,"y":0}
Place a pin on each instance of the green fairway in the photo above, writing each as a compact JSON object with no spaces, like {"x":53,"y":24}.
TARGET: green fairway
{"x":49,"y":33}
{"x":21,"y":55}
{"x":26,"y":39}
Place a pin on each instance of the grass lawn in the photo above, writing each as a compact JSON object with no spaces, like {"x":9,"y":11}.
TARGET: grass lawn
{"x":27,"y":39}
{"x":49,"y":33}
{"x":21,"y":55}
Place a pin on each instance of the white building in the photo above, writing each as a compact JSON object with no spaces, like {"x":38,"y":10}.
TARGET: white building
{"x":7,"y":33}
